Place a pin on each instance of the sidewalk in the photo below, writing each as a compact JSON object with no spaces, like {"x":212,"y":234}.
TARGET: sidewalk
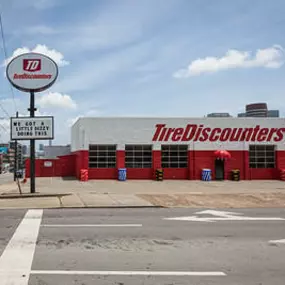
{"x":64,"y":193}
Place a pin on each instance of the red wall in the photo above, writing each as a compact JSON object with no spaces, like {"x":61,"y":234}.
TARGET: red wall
{"x":263,"y":173}
{"x":140,"y":173}
{"x":70,"y":165}
{"x":63,"y":166}
{"x":176,"y":173}
{"x":81,"y":161}
{"x":102,"y":173}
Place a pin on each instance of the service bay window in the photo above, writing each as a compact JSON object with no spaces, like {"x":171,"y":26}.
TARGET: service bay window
{"x":102,"y":156}
{"x":174,"y":156}
{"x":262,"y":156}
{"x":138,"y":156}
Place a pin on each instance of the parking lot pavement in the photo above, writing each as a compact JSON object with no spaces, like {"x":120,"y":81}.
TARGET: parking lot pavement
{"x":141,"y":246}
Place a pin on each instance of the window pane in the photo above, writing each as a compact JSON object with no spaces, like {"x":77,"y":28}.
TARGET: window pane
{"x":260,"y":147}
{"x":102,"y":148}
{"x":174,"y":164}
{"x":183,"y":148}
{"x":128,"y":148}
{"x":138,"y":147}
{"x":270,"y":159}
{"x":111,"y":148}
{"x":270,"y":154}
{"x":260,"y":159}
{"x":252,"y":160}
{"x":270,"y":148}
{"x":252,"y":148}
{"x":164,"y":147}
{"x":260,"y":153}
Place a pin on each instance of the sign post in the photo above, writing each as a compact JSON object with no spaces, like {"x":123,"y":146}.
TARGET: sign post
{"x":32,"y":72}
{"x":32,"y":146}
{"x":16,"y":155}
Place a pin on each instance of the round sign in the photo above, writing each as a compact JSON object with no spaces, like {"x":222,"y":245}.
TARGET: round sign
{"x":32,"y":72}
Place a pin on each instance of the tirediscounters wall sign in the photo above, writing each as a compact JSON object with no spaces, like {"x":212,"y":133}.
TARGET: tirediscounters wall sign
{"x":26,"y":128}
{"x":201,"y":133}
{"x":32,"y":72}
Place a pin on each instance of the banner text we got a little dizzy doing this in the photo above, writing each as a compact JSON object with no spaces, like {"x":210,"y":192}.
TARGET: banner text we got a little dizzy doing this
{"x":32,"y":128}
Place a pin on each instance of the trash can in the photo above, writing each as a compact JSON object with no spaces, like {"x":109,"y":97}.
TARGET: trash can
{"x":159,"y":174}
{"x":122,"y":174}
{"x":235,"y":175}
{"x":206,"y":174}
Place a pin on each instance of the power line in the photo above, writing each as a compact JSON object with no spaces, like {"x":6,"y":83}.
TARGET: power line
{"x":5,"y":129}
{"x":3,"y":109}
{"x":6,"y":56}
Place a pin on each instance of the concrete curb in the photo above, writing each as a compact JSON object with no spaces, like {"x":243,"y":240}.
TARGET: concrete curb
{"x":29,"y":195}
{"x":91,"y":207}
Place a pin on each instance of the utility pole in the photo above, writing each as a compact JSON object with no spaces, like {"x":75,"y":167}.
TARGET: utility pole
{"x":16,"y":154}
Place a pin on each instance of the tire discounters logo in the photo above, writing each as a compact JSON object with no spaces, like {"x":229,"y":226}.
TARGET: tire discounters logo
{"x":32,"y":65}
{"x":200,"y":133}
{"x":32,"y":72}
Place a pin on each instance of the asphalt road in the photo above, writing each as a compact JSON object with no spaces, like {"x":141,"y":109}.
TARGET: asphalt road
{"x":140,"y":246}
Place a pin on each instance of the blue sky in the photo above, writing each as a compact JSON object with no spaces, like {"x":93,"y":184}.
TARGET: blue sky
{"x":148,"y":57}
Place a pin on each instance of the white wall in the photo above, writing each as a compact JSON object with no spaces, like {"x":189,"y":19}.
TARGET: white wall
{"x":123,"y":131}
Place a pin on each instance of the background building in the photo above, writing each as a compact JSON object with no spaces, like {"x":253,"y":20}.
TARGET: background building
{"x":259,"y":110}
{"x":218,"y":115}
{"x":54,"y":151}
{"x":25,"y":150}
{"x":41,"y":147}
{"x":256,"y":110}
{"x":20,"y":155}
{"x":273,"y":113}
{"x":8,"y":154}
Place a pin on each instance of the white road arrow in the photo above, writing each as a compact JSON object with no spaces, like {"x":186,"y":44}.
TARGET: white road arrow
{"x":218,"y":213}
{"x":222,"y":216}
{"x":277,"y":241}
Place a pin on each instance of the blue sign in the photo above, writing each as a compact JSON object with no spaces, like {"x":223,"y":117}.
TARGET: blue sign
{"x":3,"y":149}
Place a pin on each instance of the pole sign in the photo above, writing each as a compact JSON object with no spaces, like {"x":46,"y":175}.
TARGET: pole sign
{"x":37,"y":128}
{"x":32,"y":72}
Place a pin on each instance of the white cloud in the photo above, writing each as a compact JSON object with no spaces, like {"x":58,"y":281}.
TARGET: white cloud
{"x":56,"y":100}
{"x":272,"y":57}
{"x":43,"y":49}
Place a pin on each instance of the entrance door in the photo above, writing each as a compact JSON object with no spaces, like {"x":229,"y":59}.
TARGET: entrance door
{"x":219,"y":169}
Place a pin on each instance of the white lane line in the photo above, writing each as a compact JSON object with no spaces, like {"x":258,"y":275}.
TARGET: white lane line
{"x":130,"y":273}
{"x":16,"y":260}
{"x":90,"y":225}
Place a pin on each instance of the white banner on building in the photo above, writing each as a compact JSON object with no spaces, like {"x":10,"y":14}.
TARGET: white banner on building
{"x":26,"y":128}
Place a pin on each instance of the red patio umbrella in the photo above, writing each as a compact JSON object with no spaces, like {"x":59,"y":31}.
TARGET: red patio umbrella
{"x":222,"y":154}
